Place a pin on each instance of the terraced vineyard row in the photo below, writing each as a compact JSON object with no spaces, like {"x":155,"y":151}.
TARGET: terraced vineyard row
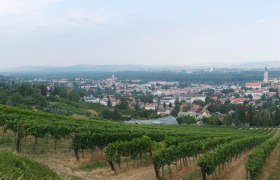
{"x":162,"y":145}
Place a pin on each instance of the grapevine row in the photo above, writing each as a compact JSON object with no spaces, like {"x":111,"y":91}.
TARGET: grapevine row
{"x":258,"y":157}
{"x":185,"y":150}
{"x":226,"y":152}
{"x":134,"y":148}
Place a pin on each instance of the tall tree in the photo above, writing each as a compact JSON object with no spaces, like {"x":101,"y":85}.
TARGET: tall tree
{"x":241,"y":114}
{"x":250,"y":114}
{"x":116,"y":116}
{"x":176,"y":108}
{"x":123,"y":103}
{"x":109,"y":103}
{"x":277,"y":117}
{"x":170,"y":105}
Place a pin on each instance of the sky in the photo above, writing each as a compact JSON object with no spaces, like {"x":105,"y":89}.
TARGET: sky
{"x":151,"y":32}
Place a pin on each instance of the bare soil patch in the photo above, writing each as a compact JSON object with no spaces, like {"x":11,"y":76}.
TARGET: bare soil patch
{"x":179,"y":173}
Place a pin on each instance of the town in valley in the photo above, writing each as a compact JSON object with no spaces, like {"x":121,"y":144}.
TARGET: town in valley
{"x":144,"y":99}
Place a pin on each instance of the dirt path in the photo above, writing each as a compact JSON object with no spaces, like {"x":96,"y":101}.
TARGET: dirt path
{"x":140,"y":173}
{"x":235,"y":171}
{"x":185,"y":170}
{"x":270,"y":163}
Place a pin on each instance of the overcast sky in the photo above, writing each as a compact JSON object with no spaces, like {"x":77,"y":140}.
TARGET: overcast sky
{"x":68,"y":32}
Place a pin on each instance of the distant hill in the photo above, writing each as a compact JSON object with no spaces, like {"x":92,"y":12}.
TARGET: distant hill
{"x":84,"y":68}
{"x":258,"y":64}
{"x":89,"y":68}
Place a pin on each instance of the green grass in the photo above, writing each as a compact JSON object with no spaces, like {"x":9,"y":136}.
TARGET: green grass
{"x":6,"y":142}
{"x":61,"y":105}
{"x":92,"y":165}
{"x":77,"y":106}
{"x":17,"y":167}
{"x":275,"y":174}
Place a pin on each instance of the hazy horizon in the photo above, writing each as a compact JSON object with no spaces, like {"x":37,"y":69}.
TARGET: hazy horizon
{"x":210,"y":63}
{"x":68,"y":32}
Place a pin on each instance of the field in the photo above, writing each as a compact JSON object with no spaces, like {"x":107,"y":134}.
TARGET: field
{"x":76,"y":148}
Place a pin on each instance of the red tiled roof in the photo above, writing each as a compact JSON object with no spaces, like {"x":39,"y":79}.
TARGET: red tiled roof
{"x":194,"y":108}
{"x":204,"y":111}
{"x":253,"y":84}
{"x":238,"y":99}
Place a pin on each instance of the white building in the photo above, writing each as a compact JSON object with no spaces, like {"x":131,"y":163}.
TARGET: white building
{"x":168,"y":100}
{"x":151,"y":106}
{"x":91,"y":99}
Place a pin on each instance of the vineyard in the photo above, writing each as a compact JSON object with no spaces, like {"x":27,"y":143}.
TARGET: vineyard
{"x":166,"y":150}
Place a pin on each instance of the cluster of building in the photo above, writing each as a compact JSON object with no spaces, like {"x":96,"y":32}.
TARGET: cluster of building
{"x":258,"y":89}
{"x":164,"y":95}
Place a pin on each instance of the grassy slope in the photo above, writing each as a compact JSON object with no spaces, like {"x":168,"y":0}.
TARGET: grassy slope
{"x":78,"y":108}
{"x":17,"y":167}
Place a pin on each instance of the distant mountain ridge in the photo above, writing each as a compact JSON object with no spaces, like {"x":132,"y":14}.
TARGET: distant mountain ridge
{"x":87,"y":68}
{"x":138,"y":67}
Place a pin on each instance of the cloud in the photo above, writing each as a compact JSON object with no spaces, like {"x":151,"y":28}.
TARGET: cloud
{"x":30,"y":15}
{"x":84,"y":18}
{"x":8,"y":7}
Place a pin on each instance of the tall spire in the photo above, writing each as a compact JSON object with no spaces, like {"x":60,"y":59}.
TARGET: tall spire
{"x":212,"y":67}
{"x":265,"y":75}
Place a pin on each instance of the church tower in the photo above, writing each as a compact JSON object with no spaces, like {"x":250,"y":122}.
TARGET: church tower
{"x":265,"y":75}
